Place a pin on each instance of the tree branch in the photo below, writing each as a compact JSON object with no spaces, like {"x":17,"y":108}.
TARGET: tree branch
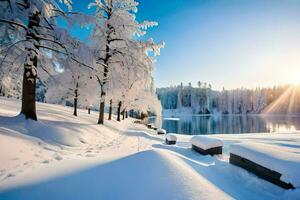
{"x":54,"y":41}
{"x":116,"y":39}
{"x":47,"y":72}
{"x":14,"y":23}
{"x":12,"y":45}
{"x":9,"y":50}
{"x":67,"y":54}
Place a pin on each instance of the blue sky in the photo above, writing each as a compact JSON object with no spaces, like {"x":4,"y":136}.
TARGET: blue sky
{"x":230,"y":43}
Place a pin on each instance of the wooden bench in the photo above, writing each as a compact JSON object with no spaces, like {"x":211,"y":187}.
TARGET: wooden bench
{"x":171,"y":139}
{"x":161,"y":131}
{"x":278,"y":167}
{"x":149,"y":125}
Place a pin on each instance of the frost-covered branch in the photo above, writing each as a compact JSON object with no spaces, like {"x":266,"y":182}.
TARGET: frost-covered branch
{"x":14,"y":23}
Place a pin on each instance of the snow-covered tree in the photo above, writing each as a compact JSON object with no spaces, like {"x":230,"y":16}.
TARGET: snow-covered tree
{"x":114,"y":30}
{"x":30,"y":27}
{"x":70,"y":86}
{"x":134,"y":77}
{"x":235,"y":101}
{"x":71,"y":82}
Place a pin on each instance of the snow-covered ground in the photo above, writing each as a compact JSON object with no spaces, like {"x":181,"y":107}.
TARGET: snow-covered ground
{"x":67,"y":157}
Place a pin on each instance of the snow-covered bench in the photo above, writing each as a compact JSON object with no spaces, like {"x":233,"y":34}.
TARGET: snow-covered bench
{"x":150,"y":125}
{"x":206,"y":145}
{"x":273,"y":164}
{"x":161,"y":131}
{"x":171,"y":138}
{"x":138,"y":122}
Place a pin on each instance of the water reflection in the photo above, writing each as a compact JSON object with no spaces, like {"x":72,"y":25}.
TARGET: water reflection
{"x":196,"y":125}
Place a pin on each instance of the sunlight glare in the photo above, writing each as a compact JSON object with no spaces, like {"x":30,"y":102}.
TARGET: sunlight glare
{"x":295,"y":78}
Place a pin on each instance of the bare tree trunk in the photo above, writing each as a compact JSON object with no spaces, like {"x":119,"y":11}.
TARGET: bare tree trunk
{"x":119,"y":111}
{"x":28,"y":94}
{"x":89,"y":110}
{"x":123,"y":113}
{"x":126,"y":114}
{"x":75,"y":99}
{"x":142,"y":116}
{"x":30,"y":72}
{"x":101,"y":110}
{"x":105,"y":73}
{"x":110,"y":109}
{"x":75,"y":106}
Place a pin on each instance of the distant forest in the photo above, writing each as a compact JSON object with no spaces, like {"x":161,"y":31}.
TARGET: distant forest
{"x":204,"y":100}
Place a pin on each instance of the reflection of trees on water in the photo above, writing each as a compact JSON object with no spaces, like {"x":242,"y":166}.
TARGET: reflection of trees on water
{"x":223,"y":124}
{"x":229,"y":124}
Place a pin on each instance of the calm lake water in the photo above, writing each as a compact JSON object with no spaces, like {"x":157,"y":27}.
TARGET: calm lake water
{"x":201,"y":125}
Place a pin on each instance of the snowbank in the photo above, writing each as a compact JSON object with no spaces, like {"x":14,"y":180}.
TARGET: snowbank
{"x":56,"y":124}
{"x":274,"y":158}
{"x":18,"y":148}
{"x":58,"y":136}
{"x":146,"y":175}
{"x":39,"y":129}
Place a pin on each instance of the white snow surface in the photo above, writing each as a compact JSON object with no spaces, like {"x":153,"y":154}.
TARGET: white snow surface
{"x":172,"y":118}
{"x":67,"y":157}
{"x":274,"y":158}
{"x":205,"y":142}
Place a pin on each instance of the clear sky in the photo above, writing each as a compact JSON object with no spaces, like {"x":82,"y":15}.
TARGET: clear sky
{"x":230,"y":43}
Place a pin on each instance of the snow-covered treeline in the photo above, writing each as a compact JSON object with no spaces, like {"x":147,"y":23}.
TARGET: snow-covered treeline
{"x":41,"y":60}
{"x":204,"y":100}
{"x":187,"y":98}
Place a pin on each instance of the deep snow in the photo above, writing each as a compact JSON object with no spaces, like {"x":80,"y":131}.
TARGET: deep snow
{"x":67,"y":157}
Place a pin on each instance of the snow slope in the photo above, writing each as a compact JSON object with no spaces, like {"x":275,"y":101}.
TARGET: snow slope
{"x":67,"y":157}
{"x":158,"y":174}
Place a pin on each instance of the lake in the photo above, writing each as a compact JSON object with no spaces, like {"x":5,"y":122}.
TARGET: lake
{"x":224,"y":124}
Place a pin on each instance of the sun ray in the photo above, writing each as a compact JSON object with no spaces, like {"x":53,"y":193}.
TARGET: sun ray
{"x":287,"y":103}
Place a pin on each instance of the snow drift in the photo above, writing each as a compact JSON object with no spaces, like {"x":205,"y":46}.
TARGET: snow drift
{"x":146,"y":175}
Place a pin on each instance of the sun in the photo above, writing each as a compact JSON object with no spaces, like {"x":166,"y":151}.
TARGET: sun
{"x":295,"y":77}
{"x":296,"y":81}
